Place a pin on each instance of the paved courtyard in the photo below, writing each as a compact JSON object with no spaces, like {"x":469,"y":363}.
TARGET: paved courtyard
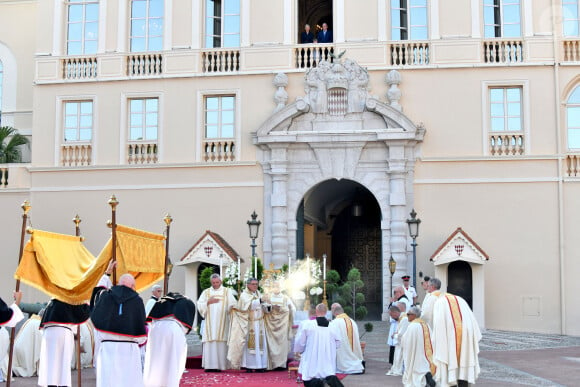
{"x":506,"y":359}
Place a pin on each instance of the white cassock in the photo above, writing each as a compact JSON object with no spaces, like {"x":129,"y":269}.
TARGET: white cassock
{"x":5,"y":339}
{"x":397,"y":368}
{"x":87,"y":346}
{"x":318,"y":346}
{"x":215,"y":330}
{"x":118,"y":360}
{"x":416,"y":345}
{"x":166,"y":353}
{"x":4,"y":345}
{"x":27,"y":348}
{"x":349,"y":355}
{"x":456,"y":337}
{"x":427,"y":307}
{"x":56,"y":355}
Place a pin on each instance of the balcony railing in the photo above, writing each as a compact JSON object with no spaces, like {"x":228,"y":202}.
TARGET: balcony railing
{"x":79,"y":67}
{"x":76,"y":155}
{"x":571,"y":50}
{"x":503,"y":51}
{"x":142,"y":153}
{"x":219,"y":150}
{"x":220,"y":60}
{"x":14,"y":176}
{"x":573,"y":165}
{"x":506,"y":144}
{"x":144,"y":64}
{"x":409,"y":53}
{"x":310,"y":55}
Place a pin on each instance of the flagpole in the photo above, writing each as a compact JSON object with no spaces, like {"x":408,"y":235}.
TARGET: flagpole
{"x":77,"y":222}
{"x":168,"y":219}
{"x":25,"y":207}
{"x":113,"y":202}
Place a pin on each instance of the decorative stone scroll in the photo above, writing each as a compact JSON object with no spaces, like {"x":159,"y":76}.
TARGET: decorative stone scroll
{"x":280,"y":96}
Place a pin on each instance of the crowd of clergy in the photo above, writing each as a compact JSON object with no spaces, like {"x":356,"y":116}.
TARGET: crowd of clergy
{"x":256,"y":333}
{"x":436,"y":344}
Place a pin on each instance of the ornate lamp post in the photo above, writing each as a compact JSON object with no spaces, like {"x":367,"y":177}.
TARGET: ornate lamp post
{"x":392,"y":269}
{"x":413,"y":224}
{"x":254,"y":227}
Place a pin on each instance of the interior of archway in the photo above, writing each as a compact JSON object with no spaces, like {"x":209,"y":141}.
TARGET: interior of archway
{"x":314,"y":12}
{"x":342,"y":220}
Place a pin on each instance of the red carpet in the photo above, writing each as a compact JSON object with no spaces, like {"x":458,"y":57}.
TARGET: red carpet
{"x":197,"y":377}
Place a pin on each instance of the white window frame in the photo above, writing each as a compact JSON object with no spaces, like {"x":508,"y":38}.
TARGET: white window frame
{"x":83,"y":23}
{"x":566,"y":18}
{"x":78,"y":127}
{"x":505,"y":104}
{"x":566,"y":105}
{"x":200,"y":136}
{"x":502,"y":23}
{"x":164,"y":19}
{"x":409,"y":25}
{"x":223,"y":26}
{"x":143,"y":125}
{"x":486,"y":116}
{"x":125,"y":122}
{"x":59,"y":125}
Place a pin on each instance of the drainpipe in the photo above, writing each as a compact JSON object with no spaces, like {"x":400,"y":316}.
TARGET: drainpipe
{"x":560,"y":171}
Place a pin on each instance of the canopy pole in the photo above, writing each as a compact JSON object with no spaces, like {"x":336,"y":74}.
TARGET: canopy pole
{"x":168,"y":219}
{"x":77,"y":222}
{"x":25,"y":207}
{"x":113,"y":202}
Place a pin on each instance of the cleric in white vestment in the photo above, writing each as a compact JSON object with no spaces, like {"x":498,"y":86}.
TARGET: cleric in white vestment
{"x":57,"y":346}
{"x":317,"y":342}
{"x":9,"y":317}
{"x":214,"y":305}
{"x":166,"y":352}
{"x":349,"y":356}
{"x":118,"y":315}
{"x":456,"y":337}
{"x":417,"y":352}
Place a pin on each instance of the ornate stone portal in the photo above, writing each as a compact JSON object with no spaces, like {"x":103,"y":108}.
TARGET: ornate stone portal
{"x":338,"y":131}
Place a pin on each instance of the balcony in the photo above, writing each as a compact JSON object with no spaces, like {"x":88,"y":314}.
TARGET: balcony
{"x":506,"y":144}
{"x":220,"y":60}
{"x":76,"y":154}
{"x":572,"y":165}
{"x":310,"y":55}
{"x":571,"y":50}
{"x":14,"y":176}
{"x":503,"y":51}
{"x":142,"y":153}
{"x":218,"y":150}
{"x":79,"y":68}
{"x":409,"y":53}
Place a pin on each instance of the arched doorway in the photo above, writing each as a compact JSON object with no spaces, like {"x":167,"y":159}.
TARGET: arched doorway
{"x":342,"y":219}
{"x":461,"y":281}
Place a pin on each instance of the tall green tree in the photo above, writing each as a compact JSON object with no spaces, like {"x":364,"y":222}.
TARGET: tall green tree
{"x":10,"y":145}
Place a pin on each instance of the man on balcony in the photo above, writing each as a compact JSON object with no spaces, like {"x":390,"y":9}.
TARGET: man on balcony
{"x":324,"y":36}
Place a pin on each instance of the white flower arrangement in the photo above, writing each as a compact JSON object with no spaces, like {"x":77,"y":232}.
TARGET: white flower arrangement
{"x":231,"y":276}
{"x":316,"y":291}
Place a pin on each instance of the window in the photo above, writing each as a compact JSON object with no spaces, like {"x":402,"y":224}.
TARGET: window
{"x":505,"y":105}
{"x":82,"y":28}
{"x":219,"y":116}
{"x":573,"y":119}
{"x":78,"y":121}
{"x":501,"y":18}
{"x":147,"y":25}
{"x":408,"y":19}
{"x":1,"y":79}
{"x":222,"y":23}
{"x":570,"y":18}
{"x":143,"y":119}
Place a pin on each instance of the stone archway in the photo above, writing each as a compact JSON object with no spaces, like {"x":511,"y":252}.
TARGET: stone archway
{"x":338,"y":131}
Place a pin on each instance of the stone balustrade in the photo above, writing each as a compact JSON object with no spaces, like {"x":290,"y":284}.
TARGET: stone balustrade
{"x":410,"y":53}
{"x":309,"y":55}
{"x":74,"y":68}
{"x":220,"y":60}
{"x":219,"y":150}
{"x":145,"y":64}
{"x":503,"y":51}
{"x":142,"y":153}
{"x":14,"y":176}
{"x":76,"y":155}
{"x":506,"y":144}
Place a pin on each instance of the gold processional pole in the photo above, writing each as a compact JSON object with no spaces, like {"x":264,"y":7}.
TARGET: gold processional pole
{"x":25,"y":207}
{"x":113,"y":202}
{"x":168,"y":219}
{"x":77,"y":221}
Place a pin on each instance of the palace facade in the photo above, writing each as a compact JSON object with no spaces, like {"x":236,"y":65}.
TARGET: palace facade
{"x":466,"y":111}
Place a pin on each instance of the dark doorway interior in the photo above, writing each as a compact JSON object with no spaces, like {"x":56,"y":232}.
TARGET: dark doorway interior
{"x":461,"y":281}
{"x":314,"y":12}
